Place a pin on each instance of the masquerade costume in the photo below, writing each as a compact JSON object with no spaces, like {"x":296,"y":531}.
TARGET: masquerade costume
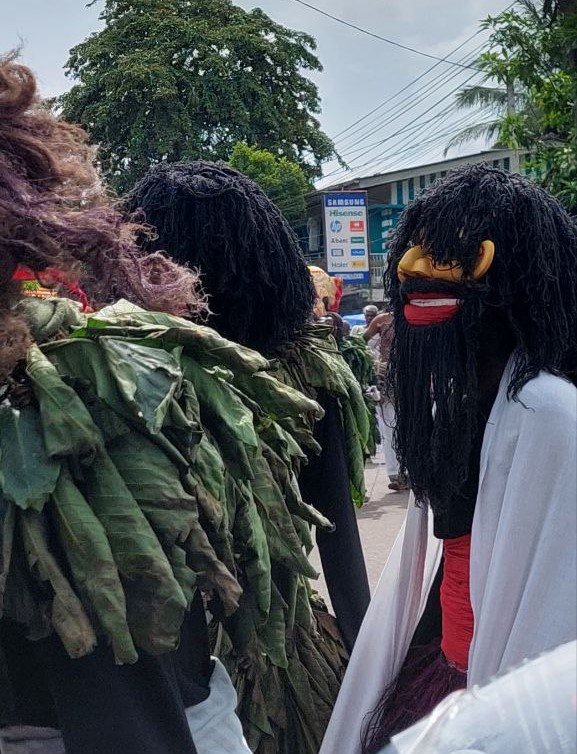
{"x":483,"y":365}
{"x":213,"y":218}
{"x":147,"y":465}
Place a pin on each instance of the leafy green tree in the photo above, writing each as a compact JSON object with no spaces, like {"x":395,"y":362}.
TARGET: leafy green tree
{"x":530,"y":88}
{"x":283,"y":181}
{"x":185,"y":79}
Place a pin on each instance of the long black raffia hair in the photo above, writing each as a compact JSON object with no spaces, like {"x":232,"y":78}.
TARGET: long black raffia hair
{"x":210,"y":216}
{"x":533,"y":278}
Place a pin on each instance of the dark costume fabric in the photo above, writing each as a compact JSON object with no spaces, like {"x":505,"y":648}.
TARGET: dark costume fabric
{"x":143,"y":704}
{"x":325,"y":481}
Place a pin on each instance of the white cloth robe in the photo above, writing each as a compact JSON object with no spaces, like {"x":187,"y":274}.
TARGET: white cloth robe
{"x":523,"y":557}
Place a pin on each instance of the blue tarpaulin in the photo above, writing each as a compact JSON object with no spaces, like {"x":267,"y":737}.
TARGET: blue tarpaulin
{"x":355,"y":319}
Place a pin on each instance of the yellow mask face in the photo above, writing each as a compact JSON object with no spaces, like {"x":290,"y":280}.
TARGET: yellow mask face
{"x":417,"y":263}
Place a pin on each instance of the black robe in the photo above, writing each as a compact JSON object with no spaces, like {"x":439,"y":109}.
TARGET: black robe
{"x":104,"y":708}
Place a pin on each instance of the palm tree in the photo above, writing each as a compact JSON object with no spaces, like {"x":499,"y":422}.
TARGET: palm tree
{"x":496,"y":101}
{"x":500,"y":95}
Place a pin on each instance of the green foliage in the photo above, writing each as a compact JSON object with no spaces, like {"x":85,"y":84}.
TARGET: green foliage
{"x":531,"y":72}
{"x":175,"y":79}
{"x":314,"y":362}
{"x":283,"y":181}
{"x":158,"y":458}
{"x":561,"y":175}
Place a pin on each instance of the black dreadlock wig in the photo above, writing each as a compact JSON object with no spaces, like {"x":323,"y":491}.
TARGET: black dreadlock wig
{"x":212,"y":217}
{"x":527,"y":301}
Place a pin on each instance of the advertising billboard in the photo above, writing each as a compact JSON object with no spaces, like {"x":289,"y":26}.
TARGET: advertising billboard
{"x":346,"y":236}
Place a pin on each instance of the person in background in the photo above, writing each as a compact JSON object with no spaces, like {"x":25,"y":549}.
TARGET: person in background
{"x":325,"y":290}
{"x":379,"y":332}
{"x":369,"y":312}
{"x":339,"y":289}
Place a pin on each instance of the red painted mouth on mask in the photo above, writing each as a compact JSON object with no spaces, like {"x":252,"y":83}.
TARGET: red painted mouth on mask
{"x":425,"y":309}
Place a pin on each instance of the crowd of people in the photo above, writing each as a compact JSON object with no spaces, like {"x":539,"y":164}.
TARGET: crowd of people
{"x":183,"y":408}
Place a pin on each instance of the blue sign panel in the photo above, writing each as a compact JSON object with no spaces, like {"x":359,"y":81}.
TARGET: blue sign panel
{"x":343,"y":199}
{"x":354,"y":277}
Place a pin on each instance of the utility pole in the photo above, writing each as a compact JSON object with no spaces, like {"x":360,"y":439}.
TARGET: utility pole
{"x":511,"y":104}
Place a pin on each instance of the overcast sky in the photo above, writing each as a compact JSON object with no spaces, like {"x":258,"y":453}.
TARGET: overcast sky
{"x":359,"y":72}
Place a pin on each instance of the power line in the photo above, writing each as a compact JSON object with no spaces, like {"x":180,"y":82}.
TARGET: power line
{"x":413,"y":99}
{"x":437,"y":138}
{"x":407,"y":106}
{"x":414,"y":131}
{"x":400,"y":155}
{"x":408,"y":129}
{"x":404,"y":88}
{"x":446,"y":78}
{"x":357,"y":167}
{"x":414,"y":81}
{"x":408,"y":144}
{"x":412,"y":138}
{"x":378,"y":36}
{"x":422,"y":94}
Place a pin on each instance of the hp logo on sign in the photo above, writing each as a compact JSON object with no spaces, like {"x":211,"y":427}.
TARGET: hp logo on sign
{"x":336,"y":226}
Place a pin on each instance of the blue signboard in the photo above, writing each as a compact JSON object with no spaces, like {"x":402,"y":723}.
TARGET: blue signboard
{"x":354,"y":277}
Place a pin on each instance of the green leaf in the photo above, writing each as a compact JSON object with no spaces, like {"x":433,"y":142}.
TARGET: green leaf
{"x":252,"y":548}
{"x":283,"y":540}
{"x":272,"y":634}
{"x":67,"y":614}
{"x":275,"y":398}
{"x":204,"y":344}
{"x":146,"y":377}
{"x":288,"y":484}
{"x":92,"y":565}
{"x":153,"y":481}
{"x":27,"y":474}
{"x":67,"y":426}
{"x":224,"y":415}
{"x":84,"y":361}
{"x":155,"y":602}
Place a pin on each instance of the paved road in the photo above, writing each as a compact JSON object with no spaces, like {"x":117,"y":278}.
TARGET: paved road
{"x":379,"y":522}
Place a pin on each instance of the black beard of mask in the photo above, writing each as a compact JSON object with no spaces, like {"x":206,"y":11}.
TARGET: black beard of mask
{"x":433,"y":380}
